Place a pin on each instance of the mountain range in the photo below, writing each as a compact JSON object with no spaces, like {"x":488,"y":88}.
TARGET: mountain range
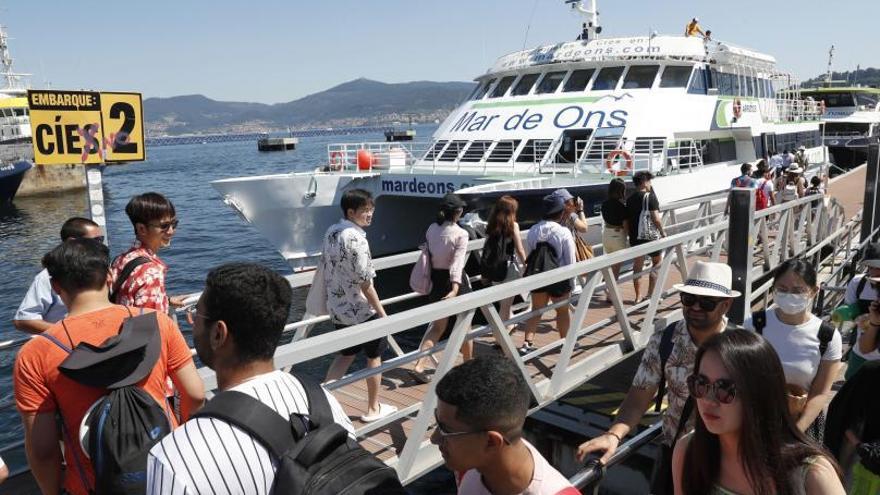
{"x":358,"y":102}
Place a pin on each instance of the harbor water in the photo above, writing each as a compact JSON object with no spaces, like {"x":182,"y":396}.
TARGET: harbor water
{"x":210,"y":233}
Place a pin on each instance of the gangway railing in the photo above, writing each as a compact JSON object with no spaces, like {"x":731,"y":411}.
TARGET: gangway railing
{"x":558,"y":365}
{"x":593,"y":473}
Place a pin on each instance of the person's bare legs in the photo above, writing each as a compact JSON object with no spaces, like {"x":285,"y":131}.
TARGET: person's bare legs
{"x":539,"y":300}
{"x":339,"y":366}
{"x":615,"y":270}
{"x":373,"y":383}
{"x":563,"y":316}
{"x":431,"y":338}
{"x":638,"y":263}
{"x":652,"y":277}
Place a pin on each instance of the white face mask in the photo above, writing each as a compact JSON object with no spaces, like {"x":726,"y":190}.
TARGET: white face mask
{"x":792,"y":304}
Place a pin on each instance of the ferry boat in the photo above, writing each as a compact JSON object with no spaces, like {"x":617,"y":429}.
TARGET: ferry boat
{"x":852,"y":121}
{"x":16,"y":153}
{"x":573,"y":114}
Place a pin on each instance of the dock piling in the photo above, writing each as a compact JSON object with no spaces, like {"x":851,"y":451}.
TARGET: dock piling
{"x":739,"y":253}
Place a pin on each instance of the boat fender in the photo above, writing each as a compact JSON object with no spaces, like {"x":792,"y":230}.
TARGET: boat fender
{"x":610,"y":162}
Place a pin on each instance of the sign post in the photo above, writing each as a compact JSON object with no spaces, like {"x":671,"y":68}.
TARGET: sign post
{"x":90,"y":128}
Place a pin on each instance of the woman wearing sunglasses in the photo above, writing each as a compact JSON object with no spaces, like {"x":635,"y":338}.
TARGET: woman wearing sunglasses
{"x":744,"y":442}
{"x":810,"y":354}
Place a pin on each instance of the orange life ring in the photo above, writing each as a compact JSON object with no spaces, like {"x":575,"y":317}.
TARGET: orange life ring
{"x":737,"y":108}
{"x":612,"y":158}
{"x":336,"y":160}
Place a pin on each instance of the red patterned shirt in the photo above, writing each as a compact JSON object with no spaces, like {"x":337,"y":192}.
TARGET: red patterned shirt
{"x":145,"y":287}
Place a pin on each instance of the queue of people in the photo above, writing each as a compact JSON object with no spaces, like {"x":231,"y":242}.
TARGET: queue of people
{"x":746,"y":409}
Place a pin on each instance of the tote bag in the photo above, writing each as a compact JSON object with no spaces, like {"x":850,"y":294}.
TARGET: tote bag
{"x":648,"y":231}
{"x":316,"y":300}
{"x":420,"y":277}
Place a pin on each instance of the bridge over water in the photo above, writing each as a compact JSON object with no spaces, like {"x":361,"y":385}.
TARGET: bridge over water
{"x":254,"y":136}
{"x":602,"y":335}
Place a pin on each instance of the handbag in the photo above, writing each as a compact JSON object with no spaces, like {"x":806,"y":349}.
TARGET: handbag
{"x":420,"y":277}
{"x":582,"y":249}
{"x":648,"y":231}
{"x":316,"y":300}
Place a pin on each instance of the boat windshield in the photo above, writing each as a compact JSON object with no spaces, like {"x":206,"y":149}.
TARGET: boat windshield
{"x":836,"y":99}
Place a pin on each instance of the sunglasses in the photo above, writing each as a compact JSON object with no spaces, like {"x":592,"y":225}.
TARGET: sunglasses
{"x":192,"y":314}
{"x":705,"y":303}
{"x":443,"y":433}
{"x":721,"y":390}
{"x":166,"y":226}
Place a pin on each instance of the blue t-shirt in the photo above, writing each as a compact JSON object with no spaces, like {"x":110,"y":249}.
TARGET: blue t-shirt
{"x":41,"y":302}
{"x":742,"y":181}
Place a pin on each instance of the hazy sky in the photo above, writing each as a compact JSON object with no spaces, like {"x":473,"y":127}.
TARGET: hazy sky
{"x":276,"y":51}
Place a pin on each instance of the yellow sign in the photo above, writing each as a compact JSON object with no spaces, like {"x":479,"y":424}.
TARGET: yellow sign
{"x":85,"y":127}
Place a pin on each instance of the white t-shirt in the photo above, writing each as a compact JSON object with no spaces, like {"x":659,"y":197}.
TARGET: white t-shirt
{"x":767,"y":185}
{"x":546,"y":480}
{"x":798,"y":347}
{"x":208,"y":455}
{"x":869,"y":293}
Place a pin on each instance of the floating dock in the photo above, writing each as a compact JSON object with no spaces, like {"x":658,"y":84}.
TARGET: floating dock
{"x":407,"y":135}
{"x":277,"y":144}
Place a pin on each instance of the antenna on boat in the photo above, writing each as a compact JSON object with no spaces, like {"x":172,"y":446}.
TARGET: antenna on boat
{"x":12,"y":80}
{"x":591,"y":28}
{"x":828,"y":72}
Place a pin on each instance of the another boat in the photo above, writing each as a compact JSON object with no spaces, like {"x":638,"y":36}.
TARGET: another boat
{"x":573,"y":114}
{"x":16,"y":153}
{"x":852,"y":121}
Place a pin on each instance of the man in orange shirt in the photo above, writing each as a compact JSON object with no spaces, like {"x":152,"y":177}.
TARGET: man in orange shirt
{"x":79,"y":271}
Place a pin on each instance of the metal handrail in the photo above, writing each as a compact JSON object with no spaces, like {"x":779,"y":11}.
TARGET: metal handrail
{"x":595,"y":471}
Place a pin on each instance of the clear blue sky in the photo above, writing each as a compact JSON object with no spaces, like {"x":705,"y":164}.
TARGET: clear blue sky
{"x":276,"y":51}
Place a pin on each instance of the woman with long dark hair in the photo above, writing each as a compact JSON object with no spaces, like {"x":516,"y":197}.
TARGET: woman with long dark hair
{"x":447,"y":243}
{"x":502,"y":230}
{"x":614,"y":217}
{"x":744,"y":441}
{"x":809,"y":350}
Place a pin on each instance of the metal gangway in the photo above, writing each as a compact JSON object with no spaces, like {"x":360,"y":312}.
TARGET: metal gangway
{"x":600,"y":336}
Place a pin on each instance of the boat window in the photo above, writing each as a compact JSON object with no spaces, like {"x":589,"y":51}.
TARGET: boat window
{"x":866,"y":99}
{"x":771,"y":91}
{"x":19,"y":112}
{"x":698,"y":83}
{"x":524,"y":86}
{"x":435,"y":150}
{"x":675,"y":76}
{"x":607,"y":78}
{"x":502,"y":87}
{"x":503,"y":151}
{"x":837,"y":99}
{"x":578,"y":80}
{"x":475,"y":151}
{"x":534,"y":150}
{"x":640,"y":76}
{"x":450,"y":154}
{"x":482,"y":90}
{"x":550,"y":82}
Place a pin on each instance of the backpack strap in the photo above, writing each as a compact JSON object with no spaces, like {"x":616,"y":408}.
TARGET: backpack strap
{"x":666,"y":346}
{"x":125,"y":273}
{"x":320,"y":413}
{"x":759,"y":321}
{"x":861,"y":287}
{"x":826,"y":333}
{"x":257,"y":419}
{"x":54,"y":340}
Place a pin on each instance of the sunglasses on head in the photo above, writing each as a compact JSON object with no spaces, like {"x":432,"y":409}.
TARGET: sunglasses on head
{"x":165,"y":226}
{"x":705,"y":303}
{"x":721,"y":390}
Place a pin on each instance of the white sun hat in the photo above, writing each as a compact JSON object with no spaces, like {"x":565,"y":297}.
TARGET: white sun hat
{"x":708,"y":279}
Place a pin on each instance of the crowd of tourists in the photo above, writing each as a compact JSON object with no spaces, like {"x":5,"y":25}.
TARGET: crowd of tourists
{"x":109,"y":377}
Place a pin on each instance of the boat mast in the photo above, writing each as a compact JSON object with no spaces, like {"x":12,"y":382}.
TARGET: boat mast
{"x":591,"y":15}
{"x":11,"y":79}
{"x":828,"y":72}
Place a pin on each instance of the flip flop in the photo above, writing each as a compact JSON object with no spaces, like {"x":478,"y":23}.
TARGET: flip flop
{"x":419,"y":376}
{"x":384,"y":411}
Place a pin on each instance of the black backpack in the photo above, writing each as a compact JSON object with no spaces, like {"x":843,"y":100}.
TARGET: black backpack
{"x":543,"y":259}
{"x":826,"y":330}
{"x":123,"y":425}
{"x":495,"y":257}
{"x":316,"y":455}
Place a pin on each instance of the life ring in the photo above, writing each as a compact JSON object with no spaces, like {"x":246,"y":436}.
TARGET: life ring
{"x":337,"y":160}
{"x":612,"y":159}
{"x":737,"y":108}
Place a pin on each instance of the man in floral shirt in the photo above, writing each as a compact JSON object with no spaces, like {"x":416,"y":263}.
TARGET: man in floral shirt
{"x":155,"y":223}
{"x":351,"y":296}
{"x":705,"y":298}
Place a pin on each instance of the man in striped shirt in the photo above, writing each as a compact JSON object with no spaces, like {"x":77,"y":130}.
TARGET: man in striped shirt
{"x":237,"y":324}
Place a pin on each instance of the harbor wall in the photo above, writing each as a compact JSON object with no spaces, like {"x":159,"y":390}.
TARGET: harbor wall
{"x":46,"y":179}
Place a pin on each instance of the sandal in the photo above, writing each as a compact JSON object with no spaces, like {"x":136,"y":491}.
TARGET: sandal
{"x":419,"y":376}
{"x":385,"y":410}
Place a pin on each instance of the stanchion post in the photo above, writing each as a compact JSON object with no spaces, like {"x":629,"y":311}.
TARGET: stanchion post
{"x":872,"y":195}
{"x":740,"y":235}
{"x":95,"y":196}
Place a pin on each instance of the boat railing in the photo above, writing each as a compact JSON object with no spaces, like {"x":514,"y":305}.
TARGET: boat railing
{"x":369,"y":156}
{"x":16,"y":151}
{"x":792,"y":110}
{"x":845,"y":134}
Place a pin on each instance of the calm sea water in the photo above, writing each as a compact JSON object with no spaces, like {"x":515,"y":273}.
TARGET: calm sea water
{"x":210,"y":233}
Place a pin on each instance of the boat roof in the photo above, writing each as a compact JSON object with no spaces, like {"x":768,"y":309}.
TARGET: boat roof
{"x":841,"y":89}
{"x":673,"y":48}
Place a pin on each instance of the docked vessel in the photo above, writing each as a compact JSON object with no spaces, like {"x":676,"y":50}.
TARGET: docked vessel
{"x":852,"y":121}
{"x":16,"y":154}
{"x":573,"y":114}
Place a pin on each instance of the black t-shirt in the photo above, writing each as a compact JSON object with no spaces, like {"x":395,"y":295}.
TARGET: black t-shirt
{"x":634,"y":209}
{"x":614,"y":212}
